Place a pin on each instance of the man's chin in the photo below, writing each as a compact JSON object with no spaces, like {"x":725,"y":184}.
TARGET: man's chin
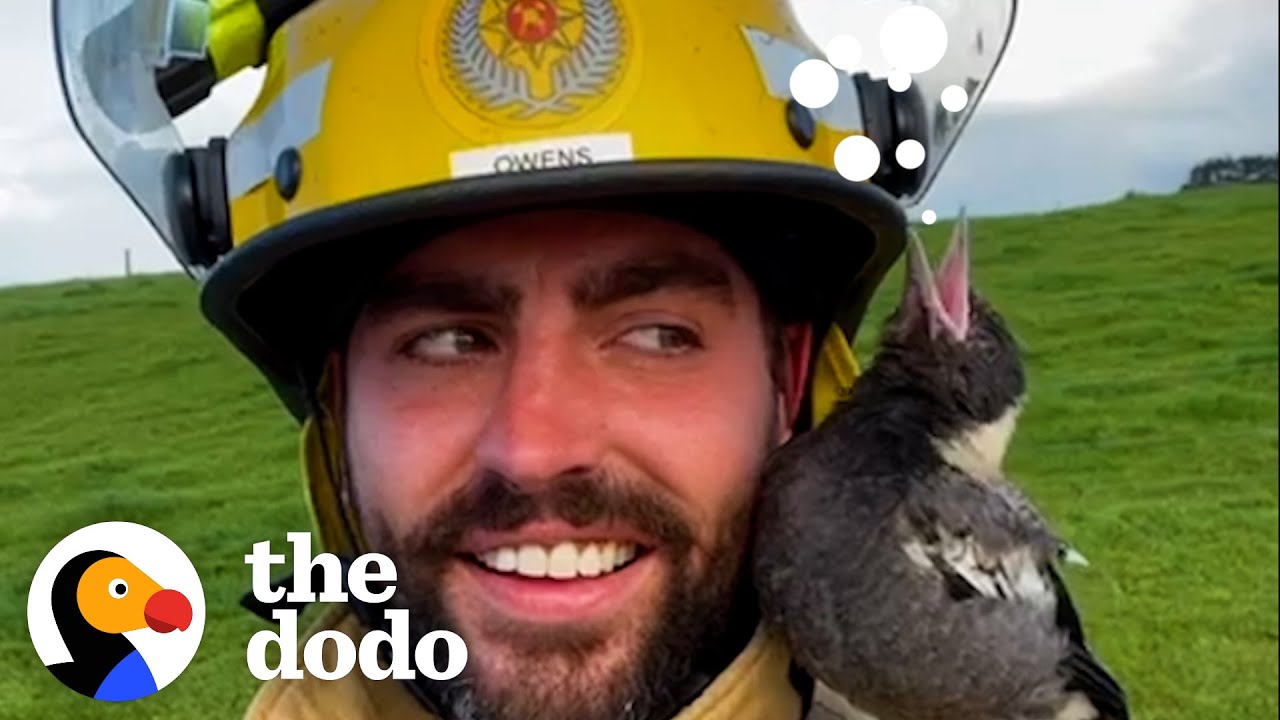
{"x":582,"y":673}
{"x":543,"y":648}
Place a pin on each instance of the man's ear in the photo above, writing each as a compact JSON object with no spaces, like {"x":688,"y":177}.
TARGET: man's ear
{"x":797,"y":348}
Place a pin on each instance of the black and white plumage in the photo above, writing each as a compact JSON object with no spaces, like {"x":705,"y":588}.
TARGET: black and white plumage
{"x":907,"y":572}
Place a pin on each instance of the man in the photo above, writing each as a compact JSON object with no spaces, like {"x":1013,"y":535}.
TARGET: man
{"x":545,"y":281}
{"x":554,"y":426}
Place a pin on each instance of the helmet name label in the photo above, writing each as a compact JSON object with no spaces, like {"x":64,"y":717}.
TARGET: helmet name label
{"x":546,"y":154}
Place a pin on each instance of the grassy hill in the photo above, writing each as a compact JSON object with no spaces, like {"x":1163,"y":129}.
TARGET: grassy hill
{"x":1150,"y":439}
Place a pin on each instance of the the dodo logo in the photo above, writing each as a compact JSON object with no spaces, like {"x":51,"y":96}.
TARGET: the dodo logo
{"x":116,"y":611}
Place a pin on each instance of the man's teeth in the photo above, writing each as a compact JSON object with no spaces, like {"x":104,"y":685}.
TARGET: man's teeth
{"x":564,"y":561}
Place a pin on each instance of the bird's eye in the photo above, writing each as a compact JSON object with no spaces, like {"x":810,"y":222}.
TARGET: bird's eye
{"x":118,"y":588}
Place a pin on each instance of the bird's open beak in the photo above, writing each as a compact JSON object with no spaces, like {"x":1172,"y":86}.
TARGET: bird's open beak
{"x":953,"y":277}
{"x":944,"y":297}
{"x":168,"y":610}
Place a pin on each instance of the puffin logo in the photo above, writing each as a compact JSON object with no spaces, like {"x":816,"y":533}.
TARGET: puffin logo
{"x":116,"y":611}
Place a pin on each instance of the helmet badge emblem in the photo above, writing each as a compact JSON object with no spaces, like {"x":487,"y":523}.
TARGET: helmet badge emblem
{"x":520,"y":60}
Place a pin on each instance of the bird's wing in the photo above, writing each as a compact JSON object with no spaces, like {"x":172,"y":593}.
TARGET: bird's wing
{"x":971,"y":568}
{"x":981,"y":546}
{"x":980,"y":542}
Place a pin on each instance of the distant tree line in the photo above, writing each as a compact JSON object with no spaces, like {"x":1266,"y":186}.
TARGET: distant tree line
{"x":1228,"y":170}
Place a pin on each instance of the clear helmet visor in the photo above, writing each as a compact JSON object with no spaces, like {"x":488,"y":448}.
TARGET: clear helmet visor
{"x":107,"y":54}
{"x":977,"y":32}
{"x":946,"y":51}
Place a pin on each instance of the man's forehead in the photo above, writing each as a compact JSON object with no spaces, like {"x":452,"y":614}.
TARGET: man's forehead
{"x":557,"y":242}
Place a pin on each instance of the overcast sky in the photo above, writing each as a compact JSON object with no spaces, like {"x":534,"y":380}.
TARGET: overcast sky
{"x":1094,"y":97}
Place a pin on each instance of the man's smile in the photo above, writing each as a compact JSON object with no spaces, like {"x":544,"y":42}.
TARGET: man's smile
{"x":551,"y":572}
{"x":566,"y":560}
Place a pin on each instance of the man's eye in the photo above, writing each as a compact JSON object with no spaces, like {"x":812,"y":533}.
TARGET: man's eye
{"x":451,"y":343}
{"x":667,"y":339}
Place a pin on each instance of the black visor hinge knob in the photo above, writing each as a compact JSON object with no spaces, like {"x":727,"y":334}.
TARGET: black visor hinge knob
{"x":892,"y":117}
{"x":198,"y":209}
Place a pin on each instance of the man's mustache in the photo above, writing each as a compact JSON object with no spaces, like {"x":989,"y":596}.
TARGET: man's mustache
{"x":496,"y":503}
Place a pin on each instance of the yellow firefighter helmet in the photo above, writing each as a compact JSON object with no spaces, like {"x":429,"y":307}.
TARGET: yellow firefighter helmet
{"x":381,"y":122}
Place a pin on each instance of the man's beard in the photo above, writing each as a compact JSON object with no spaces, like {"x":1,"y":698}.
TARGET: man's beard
{"x":704,"y":617}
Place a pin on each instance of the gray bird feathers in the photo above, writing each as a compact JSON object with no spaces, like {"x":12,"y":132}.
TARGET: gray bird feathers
{"x":906,"y":571}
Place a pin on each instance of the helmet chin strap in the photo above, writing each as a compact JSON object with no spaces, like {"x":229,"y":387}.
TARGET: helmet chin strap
{"x":327,"y":406}
{"x":327,"y":402}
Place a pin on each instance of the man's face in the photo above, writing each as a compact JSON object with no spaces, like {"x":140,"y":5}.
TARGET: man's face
{"x":554,"y":425}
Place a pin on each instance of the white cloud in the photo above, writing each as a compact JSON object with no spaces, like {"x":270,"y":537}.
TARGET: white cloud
{"x":1212,"y":87}
{"x":20,"y":201}
{"x":1057,"y":49}
{"x":1071,"y":49}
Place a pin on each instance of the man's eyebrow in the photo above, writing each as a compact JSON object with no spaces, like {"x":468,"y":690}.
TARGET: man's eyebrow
{"x":613,"y":283}
{"x":443,"y":292}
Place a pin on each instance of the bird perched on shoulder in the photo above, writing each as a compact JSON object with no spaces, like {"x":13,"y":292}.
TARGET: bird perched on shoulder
{"x":906,"y":571}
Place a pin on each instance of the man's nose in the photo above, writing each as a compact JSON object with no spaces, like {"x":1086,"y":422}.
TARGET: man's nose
{"x":546,"y":419}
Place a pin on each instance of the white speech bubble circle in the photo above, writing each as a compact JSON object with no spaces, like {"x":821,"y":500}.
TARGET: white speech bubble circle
{"x":913,"y":39}
{"x":857,"y":158}
{"x":814,"y":83}
{"x":910,"y":154}
{"x":954,"y":98}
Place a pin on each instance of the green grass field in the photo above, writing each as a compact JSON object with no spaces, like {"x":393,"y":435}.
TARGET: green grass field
{"x":1150,"y":326}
